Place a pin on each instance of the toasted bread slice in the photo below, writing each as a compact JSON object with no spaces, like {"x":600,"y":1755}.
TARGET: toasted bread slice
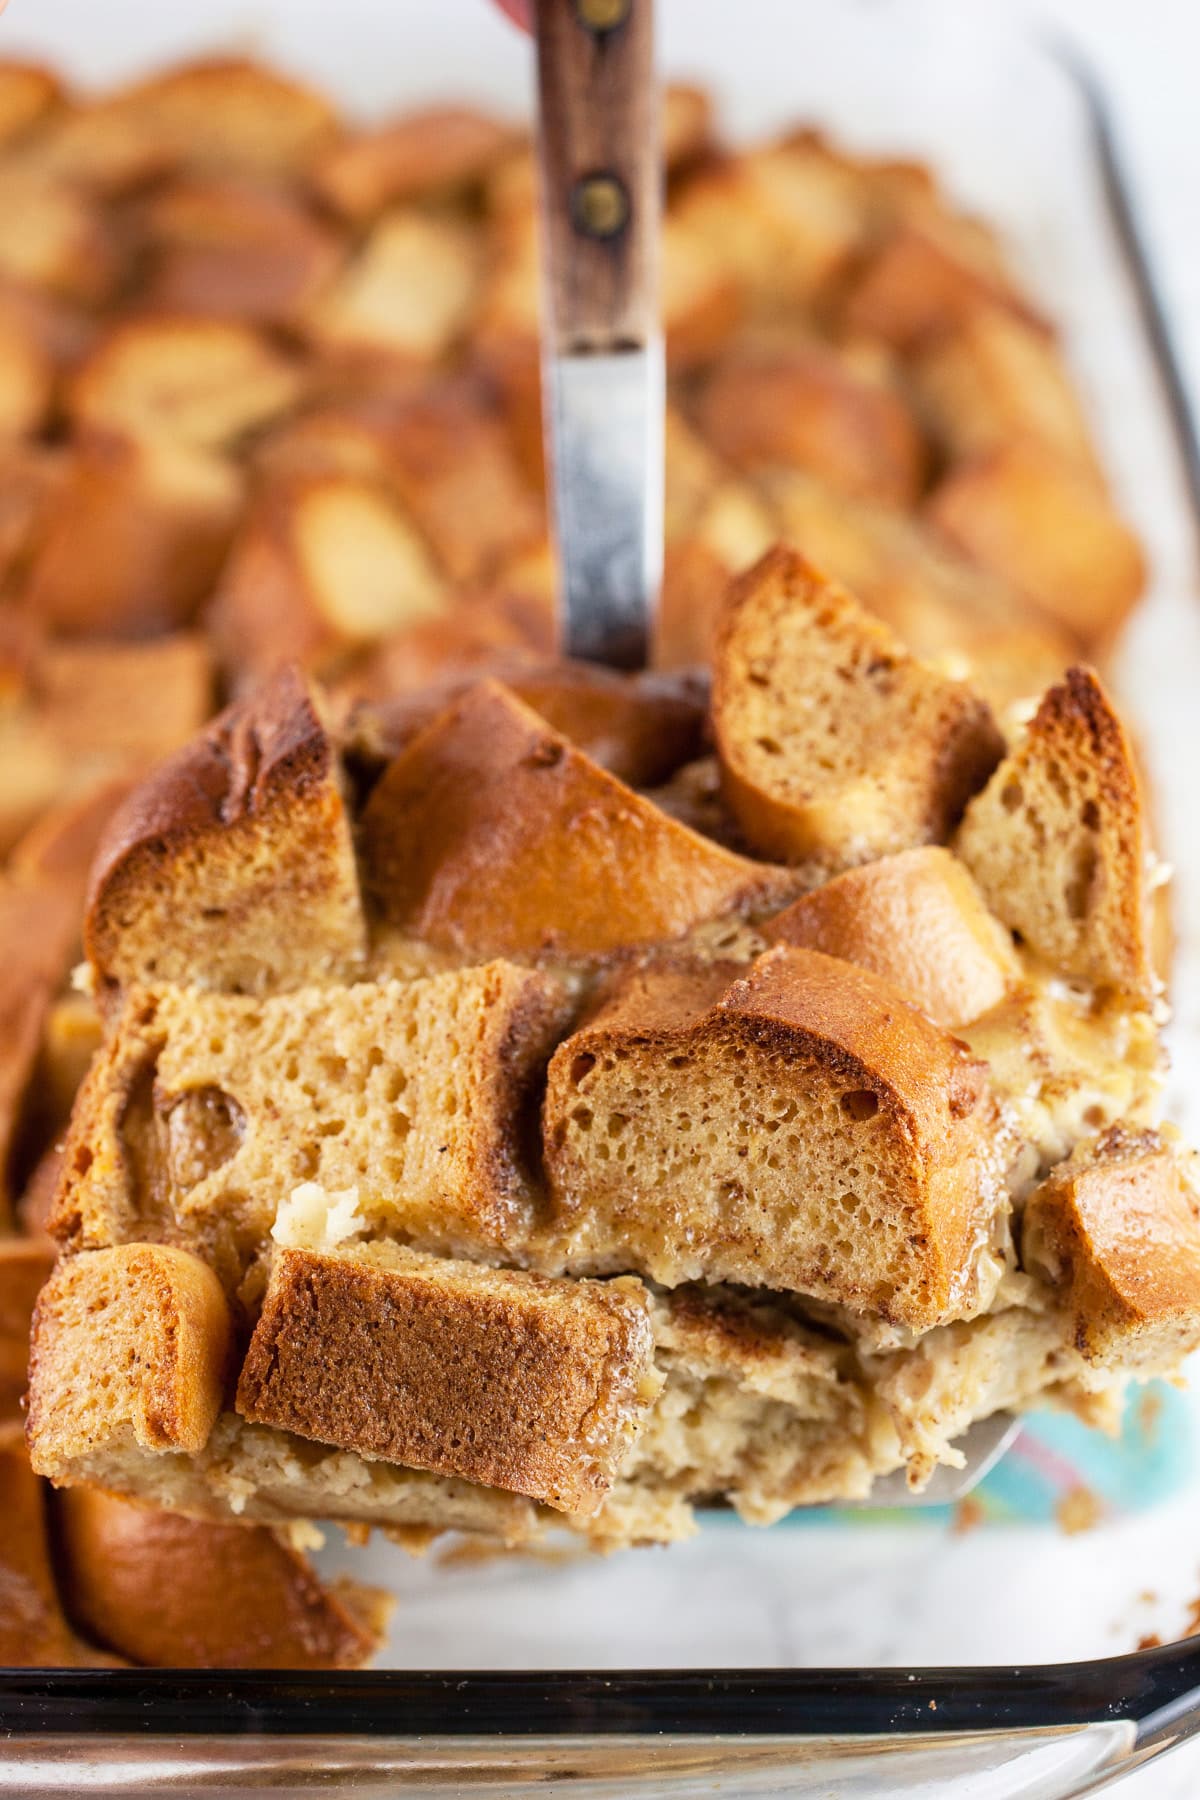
{"x":34,"y":1633}
{"x":802,"y":1127}
{"x":917,"y":919}
{"x":1115,"y":1230}
{"x":811,"y":408}
{"x":323,"y":565}
{"x":443,"y":152}
{"x":1057,"y":840}
{"x":836,"y":746}
{"x":1045,"y":526}
{"x":154,"y":1318}
{"x":995,"y":378}
{"x":406,"y":296}
{"x":204,"y":383}
{"x":132,"y":538}
{"x":492,"y":835}
{"x":233,"y":866}
{"x":638,"y":727}
{"x":509,"y":1379}
{"x":219,"y":1118}
{"x":222,"y":113}
{"x":100,"y":147}
{"x":25,"y":1263}
{"x":179,"y":1593}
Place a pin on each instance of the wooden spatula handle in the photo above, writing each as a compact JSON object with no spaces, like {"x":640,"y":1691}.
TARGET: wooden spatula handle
{"x":600,"y":170}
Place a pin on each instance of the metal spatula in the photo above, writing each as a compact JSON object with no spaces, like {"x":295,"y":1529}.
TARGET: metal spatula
{"x":602,"y":358}
{"x":603,"y":386}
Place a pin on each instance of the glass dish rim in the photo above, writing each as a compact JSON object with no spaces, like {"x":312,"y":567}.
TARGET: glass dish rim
{"x":1157,"y":1689}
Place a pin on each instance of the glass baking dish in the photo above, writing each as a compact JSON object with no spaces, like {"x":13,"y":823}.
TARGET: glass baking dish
{"x":798,"y":1661}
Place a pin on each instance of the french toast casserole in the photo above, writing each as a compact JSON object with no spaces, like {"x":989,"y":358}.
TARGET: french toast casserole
{"x":500,"y":1095}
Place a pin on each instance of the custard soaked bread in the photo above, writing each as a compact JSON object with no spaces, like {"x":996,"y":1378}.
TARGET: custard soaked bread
{"x":474,"y":1146}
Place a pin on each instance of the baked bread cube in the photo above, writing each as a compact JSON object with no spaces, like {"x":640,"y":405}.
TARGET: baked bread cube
{"x":945,"y":609}
{"x":101,"y":148}
{"x":445,"y":455}
{"x":927,"y":277}
{"x":39,"y":932}
{"x":799,"y":1127}
{"x":234,"y":249}
{"x":124,"y":704}
{"x":53,"y":239}
{"x":638,"y":727}
{"x":786,"y":219}
{"x":34,"y":1633}
{"x":28,"y":92}
{"x":918,"y":920}
{"x":219,"y":1119}
{"x":25,"y":1263}
{"x":27,"y":377}
{"x":836,"y":746}
{"x":1057,"y":840}
{"x":322,"y":566}
{"x":156,"y":1316}
{"x":405,"y":297}
{"x":1041,"y":523}
{"x":131,"y":539}
{"x":810,"y":407}
{"x":505,"y":1378}
{"x":996,"y":377}
{"x":698,"y":296}
{"x":172,"y":1592}
{"x":1115,"y":1232}
{"x":686,"y":124}
{"x":232,"y":866}
{"x":203,"y":383}
{"x":438,"y":152}
{"x":492,"y":835}
{"x":221,"y":113}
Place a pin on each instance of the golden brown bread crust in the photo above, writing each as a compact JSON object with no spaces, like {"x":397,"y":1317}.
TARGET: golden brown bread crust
{"x":1057,"y":840}
{"x":492,"y":835}
{"x":836,"y":746}
{"x":153,"y":1320}
{"x":172,"y":1592}
{"x":233,"y":865}
{"x":917,"y":919}
{"x":806,"y":1129}
{"x":508,"y":1379}
{"x":1115,"y":1231}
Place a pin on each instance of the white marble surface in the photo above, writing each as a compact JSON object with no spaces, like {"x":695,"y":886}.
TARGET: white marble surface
{"x":813,"y":1593}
